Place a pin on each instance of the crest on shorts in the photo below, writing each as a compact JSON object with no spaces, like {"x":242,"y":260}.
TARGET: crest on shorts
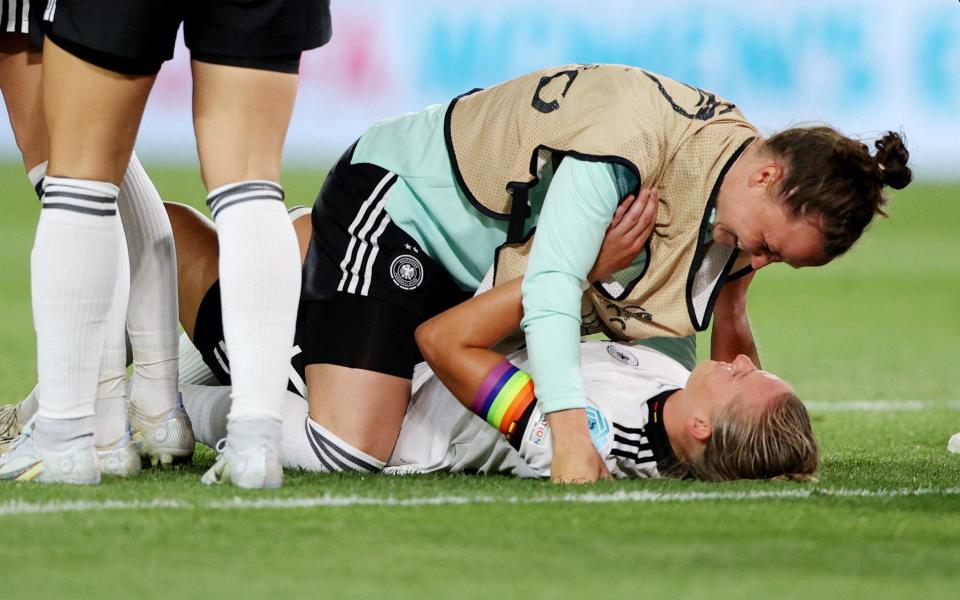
{"x":624,"y":356}
{"x":406,"y":272}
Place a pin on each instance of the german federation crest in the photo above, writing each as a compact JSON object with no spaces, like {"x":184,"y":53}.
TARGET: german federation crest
{"x":406,"y":272}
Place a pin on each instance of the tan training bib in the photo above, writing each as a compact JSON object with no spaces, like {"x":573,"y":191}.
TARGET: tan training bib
{"x":676,"y":137}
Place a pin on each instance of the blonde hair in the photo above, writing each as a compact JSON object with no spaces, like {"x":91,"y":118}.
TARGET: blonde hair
{"x":777,"y":444}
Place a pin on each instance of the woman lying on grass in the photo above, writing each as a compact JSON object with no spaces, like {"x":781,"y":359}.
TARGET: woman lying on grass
{"x":648,"y":416}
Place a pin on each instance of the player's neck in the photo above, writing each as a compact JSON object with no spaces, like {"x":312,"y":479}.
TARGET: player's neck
{"x":673,"y":418}
{"x":732,"y":186}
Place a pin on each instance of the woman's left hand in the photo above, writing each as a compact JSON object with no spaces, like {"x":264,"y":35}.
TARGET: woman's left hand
{"x":627,"y":234}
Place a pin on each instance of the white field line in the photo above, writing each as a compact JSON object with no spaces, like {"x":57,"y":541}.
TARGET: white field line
{"x":20,"y":507}
{"x":881,"y":405}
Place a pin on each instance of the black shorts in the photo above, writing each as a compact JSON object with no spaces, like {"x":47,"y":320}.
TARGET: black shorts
{"x":22,"y":17}
{"x":14,"y":16}
{"x":135,"y":37}
{"x":209,"y":340}
{"x":367,"y":285}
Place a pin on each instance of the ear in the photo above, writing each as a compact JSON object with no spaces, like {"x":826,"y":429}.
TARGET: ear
{"x":768,"y":174}
{"x":699,"y":428}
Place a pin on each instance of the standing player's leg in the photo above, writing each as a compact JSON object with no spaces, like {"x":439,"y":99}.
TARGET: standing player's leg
{"x":246,"y":60}
{"x":161,"y":426}
{"x":92,"y":117}
{"x":111,"y":435}
{"x":241,"y":117}
{"x":196,"y":270}
{"x":20,"y":75}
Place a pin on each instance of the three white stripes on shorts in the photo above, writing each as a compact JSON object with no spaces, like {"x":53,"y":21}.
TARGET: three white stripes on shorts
{"x":14,"y":13}
{"x":367,"y":226}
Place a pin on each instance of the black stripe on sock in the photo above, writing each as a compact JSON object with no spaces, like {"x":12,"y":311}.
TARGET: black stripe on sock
{"x":84,"y":197}
{"x":243,"y":188}
{"x":99,"y":212}
{"x":227,"y":204}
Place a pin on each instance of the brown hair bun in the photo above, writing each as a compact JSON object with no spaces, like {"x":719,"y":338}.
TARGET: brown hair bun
{"x":833,"y":177}
{"x":890,"y":161}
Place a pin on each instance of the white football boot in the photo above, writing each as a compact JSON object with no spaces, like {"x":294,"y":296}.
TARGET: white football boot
{"x":255,"y":467}
{"x":24,"y":461}
{"x":120,"y":459}
{"x":165,"y":439}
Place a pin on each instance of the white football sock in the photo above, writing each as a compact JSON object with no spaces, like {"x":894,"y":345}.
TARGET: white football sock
{"x":27,"y":407}
{"x":73,"y":276}
{"x":207,"y":406}
{"x":152,"y":313}
{"x":260,"y":284}
{"x":36,"y":175}
{"x":110,"y":419}
{"x":192,"y":368}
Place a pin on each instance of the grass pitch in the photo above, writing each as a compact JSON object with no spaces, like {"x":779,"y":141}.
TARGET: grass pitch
{"x":870,"y":342}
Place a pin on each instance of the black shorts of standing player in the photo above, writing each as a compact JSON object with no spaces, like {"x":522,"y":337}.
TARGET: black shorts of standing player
{"x":14,"y":16}
{"x":135,"y":37}
{"x":23,"y":17}
{"x":367,"y":284}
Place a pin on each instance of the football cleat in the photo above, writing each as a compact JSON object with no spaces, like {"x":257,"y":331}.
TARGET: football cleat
{"x":24,"y":461}
{"x":166,"y":439}
{"x":120,"y":459}
{"x":10,"y":425}
{"x":254,"y":468}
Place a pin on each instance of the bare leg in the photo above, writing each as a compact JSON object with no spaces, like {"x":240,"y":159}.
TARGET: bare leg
{"x":198,"y":255}
{"x":20,"y":78}
{"x":92,"y":114}
{"x":241,"y":118}
{"x":363,"y":408}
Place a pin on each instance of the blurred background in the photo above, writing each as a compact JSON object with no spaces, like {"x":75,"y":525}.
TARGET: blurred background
{"x":861,"y":65}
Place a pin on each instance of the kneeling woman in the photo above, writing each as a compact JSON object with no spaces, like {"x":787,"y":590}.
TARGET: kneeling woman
{"x":414,"y":216}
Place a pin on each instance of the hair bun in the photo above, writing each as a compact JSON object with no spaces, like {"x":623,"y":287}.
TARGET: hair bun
{"x":890,"y":161}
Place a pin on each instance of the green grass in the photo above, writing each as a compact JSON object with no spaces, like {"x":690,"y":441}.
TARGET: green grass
{"x":880,"y":324}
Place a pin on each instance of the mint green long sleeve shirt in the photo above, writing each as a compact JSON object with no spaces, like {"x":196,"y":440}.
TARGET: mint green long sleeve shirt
{"x":570,"y":208}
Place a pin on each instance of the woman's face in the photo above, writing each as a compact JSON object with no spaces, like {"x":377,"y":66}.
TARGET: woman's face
{"x":714,"y":384}
{"x":752,"y":218}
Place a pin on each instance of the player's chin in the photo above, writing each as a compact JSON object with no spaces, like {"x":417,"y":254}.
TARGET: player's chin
{"x":704,"y":367}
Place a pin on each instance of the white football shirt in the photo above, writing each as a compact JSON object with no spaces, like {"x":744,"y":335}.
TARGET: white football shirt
{"x":623,"y":384}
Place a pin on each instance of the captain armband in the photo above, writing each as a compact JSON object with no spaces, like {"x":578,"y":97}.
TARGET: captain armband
{"x":504,"y":397}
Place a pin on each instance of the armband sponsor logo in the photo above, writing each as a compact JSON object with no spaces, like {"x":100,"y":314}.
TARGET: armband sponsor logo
{"x":406,"y":272}
{"x":622,"y":355}
{"x":539,"y":433}
{"x":597,"y":424}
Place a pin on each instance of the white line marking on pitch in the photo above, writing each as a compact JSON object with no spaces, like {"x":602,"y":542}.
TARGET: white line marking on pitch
{"x":880,"y":405}
{"x":20,"y":507}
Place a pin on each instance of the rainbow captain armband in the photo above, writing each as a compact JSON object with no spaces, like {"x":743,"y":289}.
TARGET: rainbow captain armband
{"x":503,"y":397}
